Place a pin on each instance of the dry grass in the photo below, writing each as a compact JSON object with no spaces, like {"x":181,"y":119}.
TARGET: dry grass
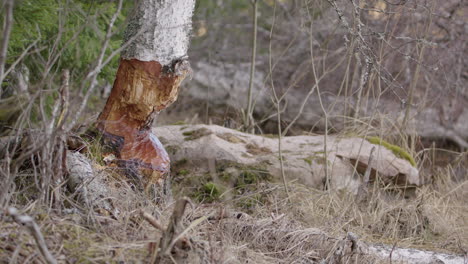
{"x":312,"y":227}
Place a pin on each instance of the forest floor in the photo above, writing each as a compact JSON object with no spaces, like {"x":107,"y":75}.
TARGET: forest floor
{"x":258,"y":222}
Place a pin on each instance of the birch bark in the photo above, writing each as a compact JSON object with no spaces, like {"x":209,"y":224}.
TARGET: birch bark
{"x":152,"y":66}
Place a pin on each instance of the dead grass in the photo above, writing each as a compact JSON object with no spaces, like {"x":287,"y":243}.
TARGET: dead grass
{"x":312,"y":227}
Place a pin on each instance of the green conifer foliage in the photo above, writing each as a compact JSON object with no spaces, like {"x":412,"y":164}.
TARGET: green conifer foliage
{"x":49,"y":20}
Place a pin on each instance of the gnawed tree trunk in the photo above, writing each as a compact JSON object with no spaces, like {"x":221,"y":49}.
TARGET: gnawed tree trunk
{"x":151,"y":69}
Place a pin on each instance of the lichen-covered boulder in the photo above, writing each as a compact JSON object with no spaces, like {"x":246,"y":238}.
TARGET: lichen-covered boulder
{"x":206,"y":146}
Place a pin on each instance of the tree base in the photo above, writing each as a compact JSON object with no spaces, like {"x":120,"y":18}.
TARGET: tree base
{"x":141,"y":89}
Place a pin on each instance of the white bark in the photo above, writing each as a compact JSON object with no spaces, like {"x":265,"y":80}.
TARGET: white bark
{"x":92,"y":188}
{"x":414,"y":256}
{"x":167,"y":38}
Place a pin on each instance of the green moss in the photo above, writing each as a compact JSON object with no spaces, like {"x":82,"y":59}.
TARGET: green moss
{"x":255,"y":149}
{"x":183,"y":172}
{"x":196,"y":134}
{"x":238,"y":178}
{"x":248,"y":174}
{"x":398,"y":151}
{"x":180,"y":163}
{"x":172,"y":149}
{"x":230,"y":138}
{"x":209,"y":192}
{"x":95,"y":147}
{"x":269,"y":135}
{"x":225,"y":176}
{"x":250,"y":202}
{"x":317,"y":157}
{"x":250,"y":177}
{"x":178,"y":123}
{"x":247,"y":177}
{"x":284,"y":158}
{"x":78,"y":243}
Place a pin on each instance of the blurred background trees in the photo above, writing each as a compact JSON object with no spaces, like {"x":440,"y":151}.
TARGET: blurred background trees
{"x":396,"y":64}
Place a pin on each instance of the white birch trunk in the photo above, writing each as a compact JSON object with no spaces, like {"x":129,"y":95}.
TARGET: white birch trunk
{"x":152,"y":66}
{"x":168,"y":24}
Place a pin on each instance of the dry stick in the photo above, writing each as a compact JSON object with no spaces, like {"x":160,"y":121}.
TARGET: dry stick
{"x":365,"y":73}
{"x":414,"y":81}
{"x":411,"y":91}
{"x":248,"y":116}
{"x":148,"y":217}
{"x":366,"y":50}
{"x":278,"y":110}
{"x":64,"y":96}
{"x":369,"y":167}
{"x":6,"y":37}
{"x":317,"y":80}
{"x":31,"y":225}
{"x":172,"y":229}
{"x":191,"y":226}
{"x":48,"y":149}
{"x":363,"y":190}
{"x":21,"y":57}
{"x":278,"y":60}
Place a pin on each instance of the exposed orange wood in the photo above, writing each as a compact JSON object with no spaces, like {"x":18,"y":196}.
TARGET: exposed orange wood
{"x":141,"y":89}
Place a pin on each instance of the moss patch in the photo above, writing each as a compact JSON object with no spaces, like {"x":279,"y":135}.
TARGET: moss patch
{"x":250,"y":173}
{"x":398,"y":151}
{"x":230,"y":138}
{"x":269,"y":135}
{"x":308,"y":160}
{"x":236,"y":178}
{"x":180,"y":162}
{"x":209,"y":192}
{"x":255,"y":149}
{"x":179,"y":123}
{"x":183,"y":172}
{"x":317,"y":157}
{"x":196,"y":134}
{"x":172,"y":149}
{"x":250,"y":202}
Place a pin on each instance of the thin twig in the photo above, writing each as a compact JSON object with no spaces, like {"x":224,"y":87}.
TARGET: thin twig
{"x":317,"y":81}
{"x":31,"y":225}
{"x":248,"y":116}
{"x":369,"y":166}
{"x":277,"y":103}
{"x":172,"y":230}
{"x":8,"y":24}
{"x":150,"y":219}
{"x":92,"y":75}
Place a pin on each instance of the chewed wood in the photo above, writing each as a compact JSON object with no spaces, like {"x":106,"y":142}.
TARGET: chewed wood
{"x":141,"y":90}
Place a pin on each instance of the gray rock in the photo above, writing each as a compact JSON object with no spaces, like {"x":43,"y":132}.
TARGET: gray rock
{"x":304,"y":158}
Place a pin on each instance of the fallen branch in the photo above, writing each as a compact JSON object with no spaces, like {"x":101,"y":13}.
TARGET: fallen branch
{"x":31,"y":225}
{"x":224,"y":213}
{"x":172,"y":232}
{"x":155,"y":223}
{"x":287,"y":240}
{"x":83,"y":180}
{"x":411,"y":255}
{"x":363,"y":191}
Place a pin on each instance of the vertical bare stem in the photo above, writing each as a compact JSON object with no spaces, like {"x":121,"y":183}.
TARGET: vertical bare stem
{"x":8,"y":24}
{"x":248,"y":122}
{"x":278,"y":108}
{"x":317,"y":80}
